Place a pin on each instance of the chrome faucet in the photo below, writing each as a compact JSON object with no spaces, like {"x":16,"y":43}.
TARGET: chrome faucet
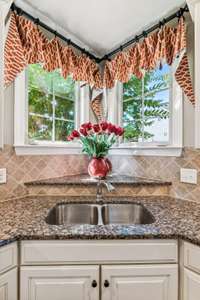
{"x":100,"y":183}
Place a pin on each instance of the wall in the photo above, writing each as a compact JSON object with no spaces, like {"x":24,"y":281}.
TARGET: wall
{"x":25,"y":168}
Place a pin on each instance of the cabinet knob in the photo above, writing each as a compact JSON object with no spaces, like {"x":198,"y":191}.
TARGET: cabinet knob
{"x":106,"y":283}
{"x":94,"y":283}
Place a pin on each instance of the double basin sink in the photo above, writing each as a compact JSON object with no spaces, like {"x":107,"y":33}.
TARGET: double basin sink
{"x":95,"y":214}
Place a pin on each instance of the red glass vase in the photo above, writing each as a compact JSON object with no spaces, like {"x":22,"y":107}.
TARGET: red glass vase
{"x":98,"y":167}
{"x":109,"y":164}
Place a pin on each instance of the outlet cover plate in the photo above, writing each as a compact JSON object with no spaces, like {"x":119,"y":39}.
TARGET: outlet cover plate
{"x":188,"y":176}
{"x":3,"y":175}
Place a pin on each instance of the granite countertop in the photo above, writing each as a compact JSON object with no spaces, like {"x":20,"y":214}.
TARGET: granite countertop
{"x":24,"y":219}
{"x":87,"y":180}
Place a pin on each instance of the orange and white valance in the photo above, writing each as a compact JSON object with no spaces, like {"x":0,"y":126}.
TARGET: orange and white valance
{"x":166,"y":45}
{"x":27,"y":44}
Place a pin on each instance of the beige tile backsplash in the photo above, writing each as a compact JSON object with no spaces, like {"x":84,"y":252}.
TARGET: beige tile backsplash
{"x":26,"y":168}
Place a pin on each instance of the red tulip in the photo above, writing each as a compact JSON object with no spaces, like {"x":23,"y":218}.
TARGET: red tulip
{"x":70,"y":138}
{"x":104,"y":125}
{"x":111,"y":128}
{"x":75,"y":134}
{"x":83,"y":131}
{"x":87,"y":126}
{"x":120,"y":131}
{"x":96,"y":128}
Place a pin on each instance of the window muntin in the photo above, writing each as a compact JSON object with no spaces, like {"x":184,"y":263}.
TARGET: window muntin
{"x":146,"y":107}
{"x":51,"y":105}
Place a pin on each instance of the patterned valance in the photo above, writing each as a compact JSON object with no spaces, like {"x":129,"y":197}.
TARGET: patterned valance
{"x":27,"y":44}
{"x":165,"y":45}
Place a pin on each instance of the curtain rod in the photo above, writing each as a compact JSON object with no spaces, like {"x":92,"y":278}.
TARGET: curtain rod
{"x":37,"y":21}
{"x":179,"y":13}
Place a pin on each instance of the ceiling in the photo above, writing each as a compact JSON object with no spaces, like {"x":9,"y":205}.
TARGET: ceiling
{"x":102,"y":25}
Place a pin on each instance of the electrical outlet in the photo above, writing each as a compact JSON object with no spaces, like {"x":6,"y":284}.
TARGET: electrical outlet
{"x":2,"y":175}
{"x":188,"y":176}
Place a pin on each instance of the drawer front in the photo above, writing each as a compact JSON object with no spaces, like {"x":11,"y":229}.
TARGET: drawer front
{"x":8,"y":257}
{"x":63,"y":252}
{"x":192,"y":257}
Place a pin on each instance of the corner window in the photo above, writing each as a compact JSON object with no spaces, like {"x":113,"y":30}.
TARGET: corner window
{"x":51,"y":105}
{"x":48,"y":107}
{"x":146,"y":107}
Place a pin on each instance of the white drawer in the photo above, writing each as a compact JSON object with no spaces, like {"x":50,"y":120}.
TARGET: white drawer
{"x":8,"y":257}
{"x":63,"y":252}
{"x":192,"y":257}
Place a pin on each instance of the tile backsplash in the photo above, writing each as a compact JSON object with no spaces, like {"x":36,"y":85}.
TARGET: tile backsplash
{"x":27,"y":168}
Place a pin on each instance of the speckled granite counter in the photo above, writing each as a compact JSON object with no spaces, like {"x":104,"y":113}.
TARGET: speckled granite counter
{"x":24,"y":219}
{"x":87,"y":180}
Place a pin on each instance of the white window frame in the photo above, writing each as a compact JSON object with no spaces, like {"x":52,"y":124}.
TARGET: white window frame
{"x":4,"y":9}
{"x":82,"y":114}
{"x":21,"y":141}
{"x":175,"y":145}
{"x":2,"y":28}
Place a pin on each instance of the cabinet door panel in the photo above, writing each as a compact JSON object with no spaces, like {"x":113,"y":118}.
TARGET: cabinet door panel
{"x":140,"y":282}
{"x":59,"y":283}
{"x":191,"y":286}
{"x":8,"y":285}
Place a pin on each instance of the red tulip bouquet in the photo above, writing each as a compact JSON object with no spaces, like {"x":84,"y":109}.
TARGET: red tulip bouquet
{"x":97,"y":139}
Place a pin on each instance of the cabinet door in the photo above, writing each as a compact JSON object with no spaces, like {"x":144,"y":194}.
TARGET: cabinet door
{"x":60,"y":283}
{"x":8,"y":285}
{"x":191,"y":290}
{"x":150,"y":282}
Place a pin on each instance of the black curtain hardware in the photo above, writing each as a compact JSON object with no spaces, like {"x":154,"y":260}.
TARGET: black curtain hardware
{"x":178,"y":14}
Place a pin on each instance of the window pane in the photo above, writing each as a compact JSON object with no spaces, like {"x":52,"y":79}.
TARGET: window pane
{"x":40,"y":99}
{"x":39,"y":79}
{"x":64,"y":108}
{"x":65,"y":95}
{"x":51,"y":100}
{"x":132,"y":109}
{"x":156,"y":105}
{"x":147,"y":119}
{"x":40,"y":128}
{"x":63,"y":129}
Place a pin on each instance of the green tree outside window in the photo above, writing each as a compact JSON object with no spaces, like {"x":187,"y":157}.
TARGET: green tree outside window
{"x":51,"y":100}
{"x":146,"y":104}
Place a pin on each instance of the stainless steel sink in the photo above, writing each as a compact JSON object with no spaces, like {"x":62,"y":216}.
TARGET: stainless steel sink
{"x":126,"y":214}
{"x":71,"y":214}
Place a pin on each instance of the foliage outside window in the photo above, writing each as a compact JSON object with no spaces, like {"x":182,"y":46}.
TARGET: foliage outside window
{"x":51,"y":105}
{"x":146,"y":107}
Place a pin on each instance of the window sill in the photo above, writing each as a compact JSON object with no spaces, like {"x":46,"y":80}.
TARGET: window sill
{"x":75,"y":149}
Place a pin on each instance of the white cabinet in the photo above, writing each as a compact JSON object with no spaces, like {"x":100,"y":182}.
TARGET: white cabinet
{"x":70,"y":270}
{"x":8,"y":285}
{"x":190,"y":272}
{"x":130,"y":282}
{"x":8,"y":272}
{"x":60,"y":283}
{"x":142,"y":282}
{"x":191,"y":289}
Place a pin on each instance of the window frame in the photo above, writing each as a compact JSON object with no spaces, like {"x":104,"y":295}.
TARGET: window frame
{"x":83,"y":114}
{"x":21,"y":141}
{"x":156,"y":143}
{"x":52,"y":116}
{"x":175,"y":145}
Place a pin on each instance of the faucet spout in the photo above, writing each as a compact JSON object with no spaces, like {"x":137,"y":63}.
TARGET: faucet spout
{"x":100,"y":183}
{"x":109,"y":186}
